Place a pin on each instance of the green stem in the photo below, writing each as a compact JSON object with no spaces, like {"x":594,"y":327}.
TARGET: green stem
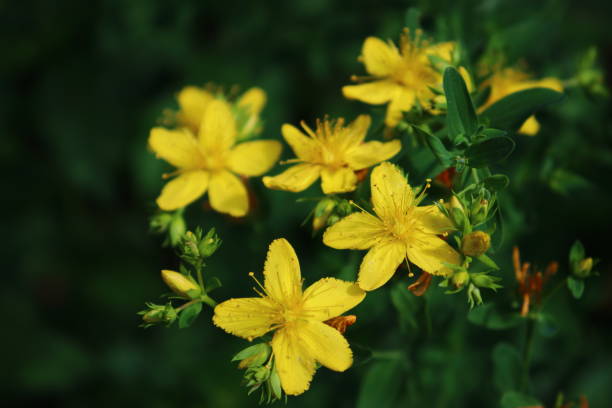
{"x":208,"y":300}
{"x":186,"y":305}
{"x":198,"y":268}
{"x":529,"y":337}
{"x":475,"y":176}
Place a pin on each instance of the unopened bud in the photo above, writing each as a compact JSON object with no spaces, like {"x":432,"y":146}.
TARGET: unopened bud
{"x":253,"y":356}
{"x":460,"y":278}
{"x":256,"y":375}
{"x":322,"y":212}
{"x":158,"y":314}
{"x":160,"y":222}
{"x":176,"y":229}
{"x":475,"y":243}
{"x":474,"y":297}
{"x":479,"y":211}
{"x":181,"y":284}
{"x":584,"y":267}
{"x":210,"y":243}
{"x":457,"y":214}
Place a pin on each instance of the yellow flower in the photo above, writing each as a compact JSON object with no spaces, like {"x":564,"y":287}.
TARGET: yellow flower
{"x":301,"y":337}
{"x":193,"y":101}
{"x":401,"y":77}
{"x":334,"y":152}
{"x":506,"y":81}
{"x":399,"y":230}
{"x":209,"y":161}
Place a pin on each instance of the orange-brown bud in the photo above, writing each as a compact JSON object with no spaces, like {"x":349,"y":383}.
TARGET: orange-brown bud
{"x":341,"y":323}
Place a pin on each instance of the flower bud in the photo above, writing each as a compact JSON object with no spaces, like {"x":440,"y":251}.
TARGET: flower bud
{"x":160,"y":222}
{"x":583,"y":268}
{"x":158,"y":314}
{"x":253,"y":356}
{"x":322,"y":211}
{"x":256,"y":375}
{"x":460,"y":278}
{"x":457,"y":214}
{"x":181,"y":284}
{"x":209,"y":244}
{"x":474,"y":297}
{"x":475,"y":243}
{"x":176,"y":229}
{"x":479,"y":211}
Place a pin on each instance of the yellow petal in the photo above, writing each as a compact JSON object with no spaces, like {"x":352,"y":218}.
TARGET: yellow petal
{"x":380,"y":263}
{"x":357,"y":231}
{"x":218,"y":128}
{"x":368,"y":154}
{"x":254,"y":158}
{"x":296,"y":178}
{"x":427,"y":251}
{"x":339,"y":180}
{"x":183,"y":190}
{"x":193,"y":102}
{"x":293,"y":361}
{"x":402,"y":101}
{"x":375,"y":93}
{"x":303,"y":146}
{"x":391,"y":194}
{"x":379,"y":58}
{"x":552,"y":83}
{"x":283,"y":281}
{"x":177,"y":147}
{"x":228,"y":194}
{"x":530,"y":127}
{"x":326,"y":345}
{"x":432,"y":220}
{"x":330,"y":297}
{"x":253,"y":100}
{"x":356,"y":131}
{"x":246,"y":317}
{"x":442,"y":50}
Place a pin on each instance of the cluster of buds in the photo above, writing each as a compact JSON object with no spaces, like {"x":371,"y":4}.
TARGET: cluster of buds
{"x":195,"y":246}
{"x":260,"y":372}
{"x":470,"y":210}
{"x":328,"y":211}
{"x":462,"y":278}
{"x":530,"y":284}
{"x":171,"y":224}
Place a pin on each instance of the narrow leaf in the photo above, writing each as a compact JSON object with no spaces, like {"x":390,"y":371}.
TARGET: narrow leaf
{"x":576,"y":286}
{"x":188,"y":316}
{"x":436,"y":146}
{"x":489,"y":151}
{"x":461,"y":116}
{"x":496,"y":182}
{"x":510,"y":112}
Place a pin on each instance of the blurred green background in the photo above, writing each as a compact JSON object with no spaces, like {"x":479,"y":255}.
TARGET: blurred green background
{"x":83,"y":82}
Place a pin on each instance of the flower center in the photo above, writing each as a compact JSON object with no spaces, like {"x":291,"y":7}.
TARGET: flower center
{"x":401,"y":227}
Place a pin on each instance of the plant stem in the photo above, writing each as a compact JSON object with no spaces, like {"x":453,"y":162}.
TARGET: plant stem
{"x":186,"y":305}
{"x":529,"y":336}
{"x":209,"y":301}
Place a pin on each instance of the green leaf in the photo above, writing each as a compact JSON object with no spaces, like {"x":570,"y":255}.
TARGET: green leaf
{"x":485,"y":259}
{"x":406,"y":304}
{"x":381,"y":385}
{"x":250,"y":351}
{"x":506,"y":367}
{"x":212,"y":284}
{"x":576,"y":286}
{"x":514,"y":399}
{"x":496,"y":182}
{"x":436,"y":146}
{"x":490,"y":132}
{"x":510,"y":112}
{"x":489,"y":151}
{"x":188,"y":316}
{"x":461,"y":116}
{"x":577,"y":253}
{"x":489,"y":316}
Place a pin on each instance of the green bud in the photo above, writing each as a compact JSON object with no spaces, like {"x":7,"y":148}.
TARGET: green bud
{"x":210,"y":243}
{"x":160,"y":222}
{"x":456,"y":212}
{"x":473,"y":294}
{"x":583,"y":268}
{"x":460,"y":278}
{"x":344,"y":208}
{"x":484,"y":280}
{"x":256,"y":375}
{"x":479,"y":211}
{"x":180,"y":284}
{"x":177,"y":228}
{"x":158,"y":314}
{"x":322,"y":211}
{"x":475,"y":243}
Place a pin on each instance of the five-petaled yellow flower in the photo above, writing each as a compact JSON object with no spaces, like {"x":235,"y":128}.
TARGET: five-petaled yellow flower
{"x":209,"y":160}
{"x":333,"y":152}
{"x":194,"y":100}
{"x":400,"y":230}
{"x":506,"y":81}
{"x":301,"y":338}
{"x":400,"y":77}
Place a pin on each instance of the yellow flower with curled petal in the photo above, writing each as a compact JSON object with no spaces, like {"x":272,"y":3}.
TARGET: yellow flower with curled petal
{"x":211,"y":161}
{"x":300,"y":339}
{"x":333,"y":152}
{"x":400,"y":77}
{"x":400,"y":230}
{"x":506,"y":81}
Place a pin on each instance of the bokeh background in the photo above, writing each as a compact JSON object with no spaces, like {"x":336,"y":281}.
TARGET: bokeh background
{"x":83,"y":82}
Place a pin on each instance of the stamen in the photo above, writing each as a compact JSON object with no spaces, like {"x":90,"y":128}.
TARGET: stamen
{"x":252,"y":275}
{"x":351,"y":202}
